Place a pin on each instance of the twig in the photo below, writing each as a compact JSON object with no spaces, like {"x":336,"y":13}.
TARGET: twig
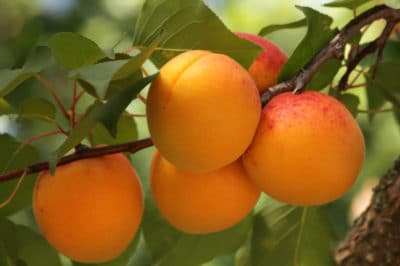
{"x":50,"y":89}
{"x":130,"y":147}
{"x":334,"y":49}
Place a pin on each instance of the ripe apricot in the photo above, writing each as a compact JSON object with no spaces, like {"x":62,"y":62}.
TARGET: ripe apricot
{"x":200,"y":203}
{"x":308,"y":149}
{"x":202,"y":110}
{"x":266,"y":67}
{"x":90,"y":209}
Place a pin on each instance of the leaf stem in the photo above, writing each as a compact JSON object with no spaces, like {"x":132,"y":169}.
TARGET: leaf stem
{"x":53,"y":93}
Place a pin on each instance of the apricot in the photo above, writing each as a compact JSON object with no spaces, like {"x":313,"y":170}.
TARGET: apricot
{"x":308,"y":149}
{"x":266,"y":67}
{"x":202,"y":110}
{"x":90,"y":209}
{"x":200,"y":203}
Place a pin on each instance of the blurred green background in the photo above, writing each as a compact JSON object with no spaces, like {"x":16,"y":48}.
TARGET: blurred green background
{"x":111,"y":23}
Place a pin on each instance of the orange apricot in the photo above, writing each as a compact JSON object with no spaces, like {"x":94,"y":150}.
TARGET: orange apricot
{"x":266,"y":67}
{"x":202,"y":110}
{"x":308,"y":149}
{"x":90,"y":209}
{"x":200,"y":203}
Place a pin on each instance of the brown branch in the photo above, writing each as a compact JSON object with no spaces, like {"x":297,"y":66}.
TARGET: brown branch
{"x":334,"y":49}
{"x":375,"y":236}
{"x":85,"y":153}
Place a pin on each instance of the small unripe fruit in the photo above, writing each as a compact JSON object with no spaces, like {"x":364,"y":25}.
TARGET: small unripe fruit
{"x":308,"y":149}
{"x":200,"y":203}
{"x":266,"y":67}
{"x":90,"y":209}
{"x":202,"y":110}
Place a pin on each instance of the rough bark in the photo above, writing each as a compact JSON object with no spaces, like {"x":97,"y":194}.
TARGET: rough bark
{"x":374,"y":239}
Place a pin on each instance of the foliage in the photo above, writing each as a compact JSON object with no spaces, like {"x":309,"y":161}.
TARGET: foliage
{"x":110,"y":80}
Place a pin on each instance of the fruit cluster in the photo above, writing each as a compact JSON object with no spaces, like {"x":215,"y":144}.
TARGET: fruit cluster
{"x":216,"y":151}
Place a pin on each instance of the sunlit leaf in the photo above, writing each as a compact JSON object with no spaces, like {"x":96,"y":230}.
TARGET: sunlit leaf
{"x":10,"y":160}
{"x":170,"y":247}
{"x":351,"y":101}
{"x":350,"y":4}
{"x":188,"y":25}
{"x":318,"y":34}
{"x":392,"y":3}
{"x":287,"y":235}
{"x":5,"y":107}
{"x":275,"y":27}
{"x":38,"y":108}
{"x":72,"y":50}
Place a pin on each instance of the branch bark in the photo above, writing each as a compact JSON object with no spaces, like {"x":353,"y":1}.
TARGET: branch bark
{"x":375,"y":236}
{"x":80,"y":154}
{"x":335,"y":49}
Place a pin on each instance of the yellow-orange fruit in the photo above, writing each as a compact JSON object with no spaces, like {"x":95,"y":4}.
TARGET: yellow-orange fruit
{"x":308,"y":149}
{"x":266,"y":67}
{"x":200,"y":203}
{"x":202,"y":110}
{"x":90,"y":209}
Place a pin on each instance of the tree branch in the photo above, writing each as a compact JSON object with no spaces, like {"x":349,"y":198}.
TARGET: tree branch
{"x":335,"y":49}
{"x":375,"y":236}
{"x":84,"y":153}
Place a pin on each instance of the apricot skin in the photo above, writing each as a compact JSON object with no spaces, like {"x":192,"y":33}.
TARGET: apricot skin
{"x":202,"y":110}
{"x":308,"y":149}
{"x":266,"y":67}
{"x":202,"y":203}
{"x":90,"y":209}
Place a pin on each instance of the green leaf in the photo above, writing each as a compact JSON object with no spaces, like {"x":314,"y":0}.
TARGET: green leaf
{"x":351,"y":101}
{"x":287,"y":235}
{"x":126,"y":132}
{"x":14,"y":156}
{"x":99,"y":75}
{"x":78,"y":133}
{"x":391,"y":52}
{"x":39,"y":59}
{"x":31,"y":244}
{"x":5,"y":107}
{"x":38,"y":108}
{"x":383,"y":86}
{"x":121,"y":260}
{"x":189,"y":25}
{"x":24,"y":245}
{"x":318,"y":34}
{"x":136,"y":62}
{"x":275,"y":27}
{"x":10,"y":79}
{"x":170,"y":247}
{"x":104,"y":77}
{"x":72,"y":50}
{"x":107,"y":113}
{"x":392,"y":3}
{"x":350,"y":4}
{"x":118,"y":103}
